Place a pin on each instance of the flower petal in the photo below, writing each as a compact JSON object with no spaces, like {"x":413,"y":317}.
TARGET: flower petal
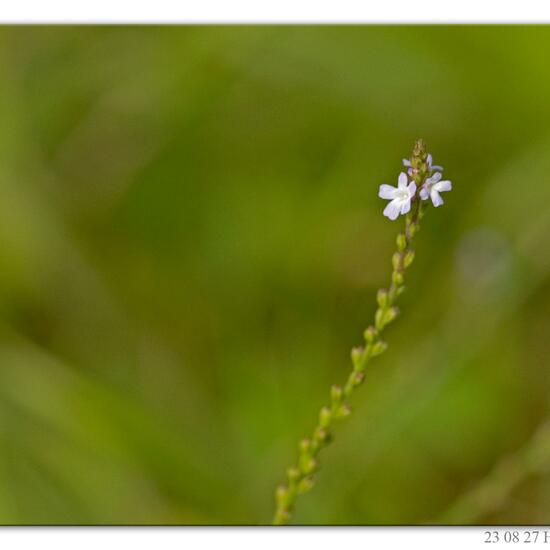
{"x":444,"y":185}
{"x":429,"y":160}
{"x":402,"y":180}
{"x":435,"y":178}
{"x":387,"y":191}
{"x":437,"y":167}
{"x":436,"y":198}
{"x":406,"y":162}
{"x":405,"y":206}
{"x":412,"y":189}
{"x":392,"y":209}
{"x":424,"y":193}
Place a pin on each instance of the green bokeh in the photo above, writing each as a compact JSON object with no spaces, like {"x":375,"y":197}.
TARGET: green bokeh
{"x":191,"y":241}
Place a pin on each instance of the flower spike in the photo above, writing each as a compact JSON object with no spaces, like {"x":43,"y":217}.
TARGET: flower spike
{"x":421,"y":181}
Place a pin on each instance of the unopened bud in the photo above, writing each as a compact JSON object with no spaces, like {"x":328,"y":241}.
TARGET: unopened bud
{"x":321,"y":434}
{"x":309,"y":466}
{"x":401,"y":242}
{"x":305,"y":445}
{"x":357,"y":378}
{"x":382,"y":297}
{"x":370,"y":334}
{"x":357,"y":355}
{"x":419,"y":150}
{"x":396,"y":260}
{"x":379,"y":318}
{"x":390,"y":314}
{"x":336,"y":393}
{"x":293,"y":474}
{"x":343,"y":411}
{"x":306,"y":484}
{"x":282,"y":516}
{"x":397,"y":278}
{"x":325,"y":416}
{"x":379,"y":348}
{"x":281,"y":495}
{"x":409,"y":257}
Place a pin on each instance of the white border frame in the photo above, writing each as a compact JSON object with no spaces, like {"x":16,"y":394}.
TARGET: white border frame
{"x":240,"y":538}
{"x":281,"y":11}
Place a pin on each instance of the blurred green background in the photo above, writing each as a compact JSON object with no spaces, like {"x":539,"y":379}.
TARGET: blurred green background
{"x":191,"y":242}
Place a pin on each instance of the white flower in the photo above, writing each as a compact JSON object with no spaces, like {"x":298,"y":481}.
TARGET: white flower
{"x":429,"y":160}
{"x":399,"y":196}
{"x":433,"y":167}
{"x":432,"y":187}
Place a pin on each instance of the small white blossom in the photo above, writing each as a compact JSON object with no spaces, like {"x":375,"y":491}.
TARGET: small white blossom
{"x":399,"y":196}
{"x":432,"y":187}
{"x":429,"y":160}
{"x":432,"y":167}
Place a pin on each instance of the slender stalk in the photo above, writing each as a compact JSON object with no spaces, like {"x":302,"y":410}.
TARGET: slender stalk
{"x":301,"y":476}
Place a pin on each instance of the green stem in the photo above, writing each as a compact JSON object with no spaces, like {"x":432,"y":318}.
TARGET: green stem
{"x":301,"y":476}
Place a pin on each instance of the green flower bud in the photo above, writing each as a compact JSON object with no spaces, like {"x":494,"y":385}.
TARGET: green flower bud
{"x":306,"y":484}
{"x":401,"y":242}
{"x":379,"y":348}
{"x":321,"y":434}
{"x":382,"y":297}
{"x":357,"y":356}
{"x":282,"y":516}
{"x":305,"y":445}
{"x":390,"y":315}
{"x":357,"y":378}
{"x":379,"y":318}
{"x":293,"y":474}
{"x":409,"y":257}
{"x":310,"y":465}
{"x":325,"y":417}
{"x":397,"y":278}
{"x":343,"y":411}
{"x":281,"y":495}
{"x":419,"y":150}
{"x":396,"y":260}
{"x":336,"y":393}
{"x":370,"y":334}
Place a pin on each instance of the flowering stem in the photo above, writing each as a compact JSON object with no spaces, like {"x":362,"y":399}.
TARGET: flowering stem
{"x":301,"y":476}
